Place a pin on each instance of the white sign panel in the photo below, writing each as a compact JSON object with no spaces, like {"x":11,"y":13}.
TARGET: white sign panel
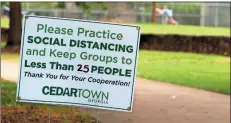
{"x":78,"y":62}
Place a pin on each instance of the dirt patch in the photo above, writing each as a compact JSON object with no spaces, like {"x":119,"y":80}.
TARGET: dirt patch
{"x":39,"y":114}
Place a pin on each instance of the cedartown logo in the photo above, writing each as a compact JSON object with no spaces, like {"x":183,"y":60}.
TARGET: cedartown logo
{"x":91,"y":95}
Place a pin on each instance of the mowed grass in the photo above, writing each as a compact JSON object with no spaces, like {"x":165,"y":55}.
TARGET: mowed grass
{"x":5,"y":22}
{"x":8,"y":93}
{"x":208,"y":72}
{"x":12,"y":57}
{"x":25,"y":112}
{"x":150,"y":28}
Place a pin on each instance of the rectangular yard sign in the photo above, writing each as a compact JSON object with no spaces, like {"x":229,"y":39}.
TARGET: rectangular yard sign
{"x":78,"y":62}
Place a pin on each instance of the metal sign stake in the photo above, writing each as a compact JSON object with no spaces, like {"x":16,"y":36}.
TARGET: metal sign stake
{"x":97,"y":118}
{"x":49,"y":114}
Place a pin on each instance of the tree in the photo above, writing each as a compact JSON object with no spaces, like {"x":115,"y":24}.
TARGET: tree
{"x":154,"y":12}
{"x":14,"y":34}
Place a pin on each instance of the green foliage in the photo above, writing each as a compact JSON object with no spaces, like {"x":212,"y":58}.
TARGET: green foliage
{"x":85,"y":6}
{"x":60,"y":5}
{"x":88,"y":6}
{"x":41,"y":5}
{"x":4,"y":4}
{"x":103,"y":6}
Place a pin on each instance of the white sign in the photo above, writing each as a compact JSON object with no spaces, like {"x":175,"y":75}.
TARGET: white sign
{"x":78,"y":62}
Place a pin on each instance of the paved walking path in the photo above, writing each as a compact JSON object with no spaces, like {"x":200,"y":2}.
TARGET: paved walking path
{"x":157,"y":102}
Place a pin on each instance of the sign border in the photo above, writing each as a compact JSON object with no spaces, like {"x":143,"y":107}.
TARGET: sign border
{"x":19,"y":99}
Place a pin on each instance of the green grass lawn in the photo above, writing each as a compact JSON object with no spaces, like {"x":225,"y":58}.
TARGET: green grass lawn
{"x":208,"y":72}
{"x":149,"y":28}
{"x":5,"y":22}
{"x":183,"y":29}
{"x":8,"y":93}
{"x":23,"y":112}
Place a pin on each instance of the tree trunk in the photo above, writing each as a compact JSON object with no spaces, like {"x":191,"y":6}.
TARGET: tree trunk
{"x":154,"y":12}
{"x":14,"y":35}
